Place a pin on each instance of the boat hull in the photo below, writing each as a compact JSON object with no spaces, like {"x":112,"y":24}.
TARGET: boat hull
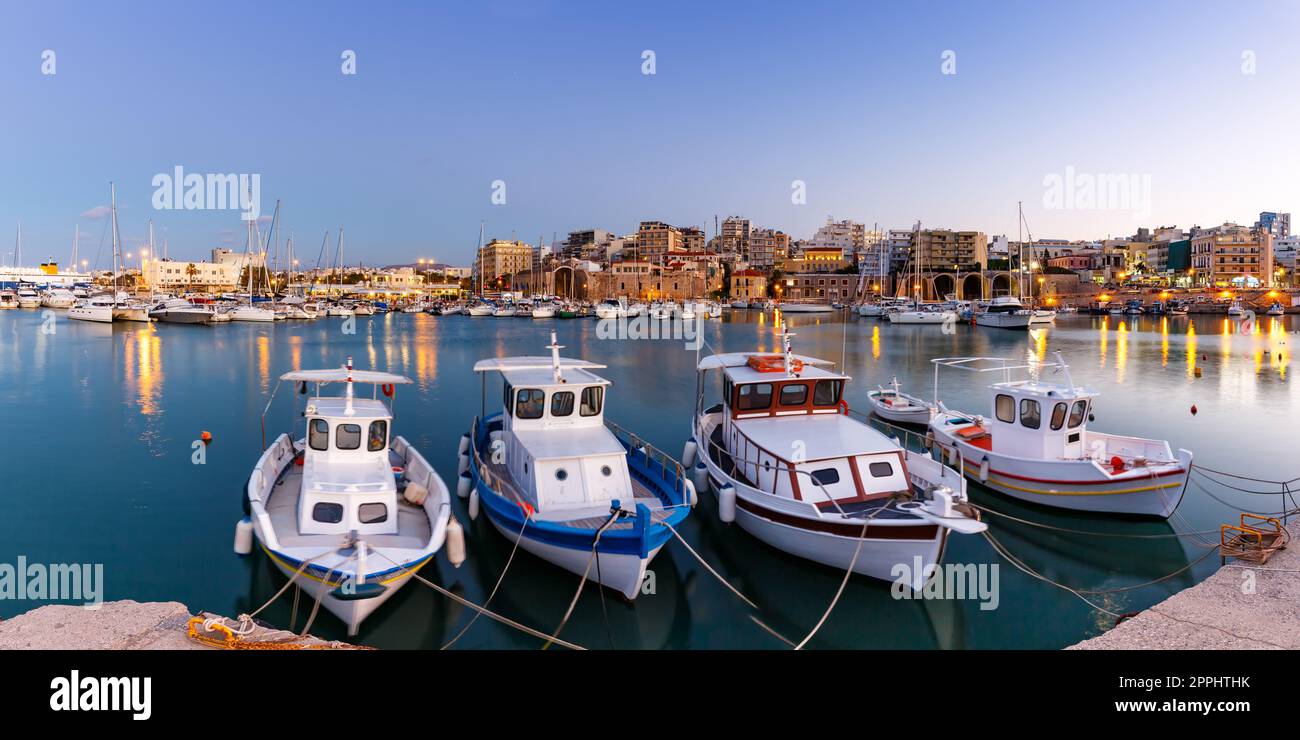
{"x":351,"y":612}
{"x":622,"y":572}
{"x":101,"y":314}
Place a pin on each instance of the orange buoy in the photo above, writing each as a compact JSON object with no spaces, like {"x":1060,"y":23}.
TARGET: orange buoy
{"x":1193,"y":409}
{"x":206,"y":436}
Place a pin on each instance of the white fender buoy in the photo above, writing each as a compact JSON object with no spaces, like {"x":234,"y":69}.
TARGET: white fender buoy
{"x":455,"y":542}
{"x":464,"y":444}
{"x":984,"y":470}
{"x":463,"y":484}
{"x":688,"y":492}
{"x":688,"y":453}
{"x":952,"y":455}
{"x":727,"y":503}
{"x":462,"y":464}
{"x":415,"y":493}
{"x":929,"y":439}
{"x":701,"y":477}
{"x":244,"y":536}
{"x":473,"y":505}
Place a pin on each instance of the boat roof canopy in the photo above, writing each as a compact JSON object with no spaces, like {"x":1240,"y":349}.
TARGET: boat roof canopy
{"x":507,"y":364}
{"x":340,"y":375}
{"x":740,"y":359}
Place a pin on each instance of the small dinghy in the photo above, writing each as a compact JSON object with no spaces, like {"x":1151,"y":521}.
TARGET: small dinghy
{"x":1037,"y":446}
{"x":791,"y":467}
{"x":349,"y":510}
{"x":893,"y":404}
{"x":573,"y":489}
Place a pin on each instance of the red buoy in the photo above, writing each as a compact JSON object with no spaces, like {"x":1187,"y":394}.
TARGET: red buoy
{"x":206,"y":436}
{"x":1193,"y":409}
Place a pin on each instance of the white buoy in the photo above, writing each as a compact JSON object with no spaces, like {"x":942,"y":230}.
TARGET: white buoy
{"x":701,"y":477}
{"x":473,"y":505}
{"x":455,"y":542}
{"x":727,"y":503}
{"x":244,"y":536}
{"x":464,"y":444}
{"x":688,"y":453}
{"x":463,"y":484}
{"x":415,"y":493}
{"x":462,"y":464}
{"x":984,"y":470}
{"x":929,"y":439}
{"x":688,"y":490}
{"x":952,"y":455}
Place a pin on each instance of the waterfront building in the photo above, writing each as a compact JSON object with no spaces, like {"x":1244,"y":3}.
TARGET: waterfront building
{"x":239,"y":259}
{"x":587,"y":244}
{"x":735,"y":237}
{"x":817,"y":259}
{"x":848,"y":236}
{"x":1232,"y":255}
{"x":1277,"y":224}
{"x":656,"y":238}
{"x":945,"y":248}
{"x":501,"y":257}
{"x":748,"y":284}
{"x":168,"y":275}
{"x":818,"y":286}
{"x":767,"y":248}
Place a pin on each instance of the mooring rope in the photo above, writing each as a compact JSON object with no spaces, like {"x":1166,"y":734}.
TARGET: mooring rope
{"x":595,"y":542}
{"x":707,"y":567}
{"x":527,"y":516}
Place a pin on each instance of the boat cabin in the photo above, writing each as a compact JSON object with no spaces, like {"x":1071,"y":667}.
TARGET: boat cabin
{"x":552,"y":440}
{"x":1038,"y":420}
{"x":788,"y":433}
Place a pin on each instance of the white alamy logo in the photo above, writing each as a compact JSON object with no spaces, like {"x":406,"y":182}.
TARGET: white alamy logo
{"x":948,"y":581}
{"x":210,"y":191}
{"x":91,"y":694}
{"x":1103,"y":191}
{"x":26,"y":581}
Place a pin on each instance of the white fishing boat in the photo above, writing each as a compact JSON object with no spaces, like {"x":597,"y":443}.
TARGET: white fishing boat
{"x":571,"y":488}
{"x":348,"y":510}
{"x":892,"y":404}
{"x":791,"y":467}
{"x":181,"y":311}
{"x":58,"y":298}
{"x":1036,"y":445}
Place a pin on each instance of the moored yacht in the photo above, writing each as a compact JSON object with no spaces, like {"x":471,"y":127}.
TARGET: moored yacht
{"x":1036,"y":446}
{"x":571,"y":488}
{"x":58,"y":298}
{"x":28,"y":298}
{"x":349,"y":510}
{"x":792,"y":468}
{"x":181,"y":311}
{"x":98,"y":308}
{"x":1005,"y":312}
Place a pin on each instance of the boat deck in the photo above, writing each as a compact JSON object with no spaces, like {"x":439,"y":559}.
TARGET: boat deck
{"x":413,"y":530}
{"x":587,"y":517}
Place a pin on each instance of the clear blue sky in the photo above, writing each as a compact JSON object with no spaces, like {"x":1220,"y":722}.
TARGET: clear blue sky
{"x":549,"y":97}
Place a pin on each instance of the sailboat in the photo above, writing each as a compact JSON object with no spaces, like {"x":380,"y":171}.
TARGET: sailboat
{"x":1009,"y":311}
{"x":250,"y":312}
{"x":107,"y":306}
{"x":918,"y":312}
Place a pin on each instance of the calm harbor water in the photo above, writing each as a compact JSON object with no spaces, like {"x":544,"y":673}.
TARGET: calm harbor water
{"x":95,"y":459}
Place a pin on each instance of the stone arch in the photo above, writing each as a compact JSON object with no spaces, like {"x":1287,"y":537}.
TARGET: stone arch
{"x":972,"y":286}
{"x":1002,"y":283}
{"x":942,"y":285}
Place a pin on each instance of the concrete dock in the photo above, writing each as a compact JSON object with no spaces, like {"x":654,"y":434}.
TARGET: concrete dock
{"x":122,"y":625}
{"x":1243,"y":606}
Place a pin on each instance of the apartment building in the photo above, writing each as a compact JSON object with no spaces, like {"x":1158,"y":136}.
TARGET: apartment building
{"x":735,"y":236}
{"x":848,"y":236}
{"x":503,"y":257}
{"x":167,"y":274}
{"x":767,"y":248}
{"x":944,"y":248}
{"x":1232,"y":255}
{"x":656,"y":238}
{"x":748,"y":285}
{"x":586,"y":244}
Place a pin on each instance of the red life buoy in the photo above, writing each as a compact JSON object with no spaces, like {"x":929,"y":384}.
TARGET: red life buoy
{"x":387,"y":388}
{"x":844,"y":407}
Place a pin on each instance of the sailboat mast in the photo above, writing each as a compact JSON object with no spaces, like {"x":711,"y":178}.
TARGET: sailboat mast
{"x":112,"y":197}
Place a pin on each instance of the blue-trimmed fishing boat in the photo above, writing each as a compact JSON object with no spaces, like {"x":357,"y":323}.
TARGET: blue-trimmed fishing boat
{"x":348,"y":510}
{"x":573,"y":489}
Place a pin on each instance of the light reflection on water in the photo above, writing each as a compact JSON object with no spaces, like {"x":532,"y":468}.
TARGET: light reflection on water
{"x":136,"y":396}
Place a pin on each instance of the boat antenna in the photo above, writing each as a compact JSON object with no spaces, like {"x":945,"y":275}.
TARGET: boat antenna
{"x":785,"y":340}
{"x":349,"y":411}
{"x":555,"y":348}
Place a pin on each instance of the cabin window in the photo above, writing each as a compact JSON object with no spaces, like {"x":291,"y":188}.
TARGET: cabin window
{"x":606,"y":471}
{"x":755,"y":397}
{"x":347,"y":436}
{"x":372,"y":513}
{"x":1077,"y":413}
{"x":880,"y":470}
{"x":378,"y":436}
{"x":561,"y":474}
{"x":1058,"y":416}
{"x":1030,"y":415}
{"x":327,"y":513}
{"x":530,"y":403}
{"x":826,"y":476}
{"x":562,"y":403}
{"x":592,"y":396}
{"x":827,"y":392}
{"x":1005,"y":408}
{"x":319,"y":437}
{"x":794,"y":394}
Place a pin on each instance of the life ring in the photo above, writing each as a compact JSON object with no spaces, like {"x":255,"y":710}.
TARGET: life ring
{"x":387,"y":389}
{"x":844,"y":407}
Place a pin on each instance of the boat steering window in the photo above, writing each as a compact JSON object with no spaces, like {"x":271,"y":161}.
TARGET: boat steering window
{"x":1077,"y":413}
{"x":1005,"y":408}
{"x":592,"y":396}
{"x":529,"y":403}
{"x":562,"y":403}
{"x":1058,"y":416}
{"x":378,"y":436}
{"x":826,"y":476}
{"x":794,"y":394}
{"x":372,"y":513}
{"x":319,"y":436}
{"x":327,"y":513}
{"x":755,"y":397}
{"x":347,"y":436}
{"x":827,"y":392}
{"x":1031,"y":415}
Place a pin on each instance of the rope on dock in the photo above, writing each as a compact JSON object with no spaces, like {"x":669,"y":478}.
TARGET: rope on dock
{"x":485,"y":612}
{"x":527,"y":516}
{"x":1067,"y":530}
